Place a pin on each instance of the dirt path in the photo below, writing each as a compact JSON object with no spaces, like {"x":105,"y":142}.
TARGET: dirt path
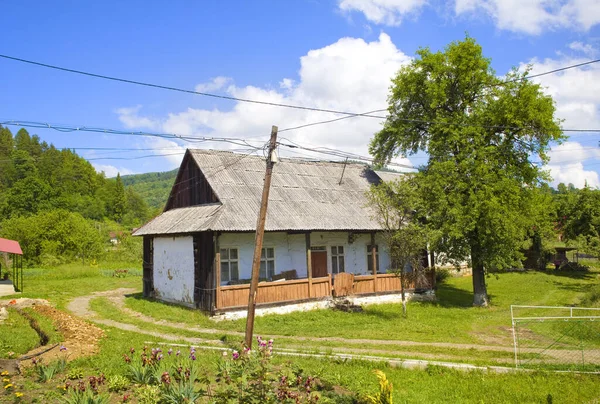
{"x":80,"y":306}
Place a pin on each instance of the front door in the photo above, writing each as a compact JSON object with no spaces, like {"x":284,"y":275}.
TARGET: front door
{"x":319,"y":263}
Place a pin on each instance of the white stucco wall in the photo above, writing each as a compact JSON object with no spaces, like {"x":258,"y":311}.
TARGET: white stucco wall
{"x":174,"y":269}
{"x":290,"y":252}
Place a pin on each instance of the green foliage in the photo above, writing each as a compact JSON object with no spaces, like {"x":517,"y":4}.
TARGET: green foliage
{"x":384,"y":395}
{"x":41,"y":182}
{"x":55,"y":237}
{"x":44,"y":372}
{"x":154,"y":188}
{"x":479,"y":131}
{"x":441,"y":275}
{"x":117,"y":383}
{"x":16,"y":335}
{"x":148,"y":394}
{"x":75,"y":373}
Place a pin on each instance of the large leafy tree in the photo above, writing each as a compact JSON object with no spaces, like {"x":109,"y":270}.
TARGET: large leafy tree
{"x":480,"y":133}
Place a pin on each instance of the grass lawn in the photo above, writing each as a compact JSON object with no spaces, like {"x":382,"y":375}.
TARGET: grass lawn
{"x":60,"y":285}
{"x":451,"y":319}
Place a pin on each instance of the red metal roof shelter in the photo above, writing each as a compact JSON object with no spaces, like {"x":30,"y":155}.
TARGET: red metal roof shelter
{"x":13,"y":248}
{"x":10,"y":246}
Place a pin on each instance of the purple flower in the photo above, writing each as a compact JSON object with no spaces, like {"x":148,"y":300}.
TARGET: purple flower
{"x":170,"y":351}
{"x":63,"y":348}
{"x":193,"y":356}
{"x":160,"y":357}
{"x":178,"y":353}
{"x":235,"y":355}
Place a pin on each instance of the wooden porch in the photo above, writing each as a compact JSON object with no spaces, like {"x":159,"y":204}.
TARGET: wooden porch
{"x":301,"y":290}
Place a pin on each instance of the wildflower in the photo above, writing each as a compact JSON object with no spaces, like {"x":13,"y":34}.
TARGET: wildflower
{"x":8,"y":386}
{"x":126,"y":398}
{"x":178,"y":353}
{"x":131,"y":350}
{"x":166,"y":378}
{"x":224,"y":353}
{"x":4,"y":373}
{"x":271,"y":342}
{"x":6,"y":380}
{"x":18,"y":394}
{"x":170,"y":351}
{"x":63,"y":348}
{"x":36,"y":360}
{"x":160,"y":357}
{"x":193,"y":356}
{"x":126,"y":358}
{"x":235,"y":355}
{"x":62,"y":387}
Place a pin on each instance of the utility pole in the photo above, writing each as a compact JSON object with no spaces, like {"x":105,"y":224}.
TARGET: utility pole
{"x":260,"y":231}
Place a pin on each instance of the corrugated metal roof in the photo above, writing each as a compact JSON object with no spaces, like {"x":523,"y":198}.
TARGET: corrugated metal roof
{"x":10,"y":246}
{"x":304,"y":195}
{"x":389,"y":175}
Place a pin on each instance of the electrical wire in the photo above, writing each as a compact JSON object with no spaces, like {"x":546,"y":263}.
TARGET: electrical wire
{"x":248,"y":100}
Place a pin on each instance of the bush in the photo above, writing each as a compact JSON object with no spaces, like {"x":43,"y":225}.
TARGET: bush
{"x":441,"y":275}
{"x":573,"y":267}
{"x":117,"y":383}
{"x":148,"y":394}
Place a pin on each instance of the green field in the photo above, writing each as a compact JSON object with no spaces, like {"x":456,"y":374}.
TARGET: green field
{"x":380,"y":330}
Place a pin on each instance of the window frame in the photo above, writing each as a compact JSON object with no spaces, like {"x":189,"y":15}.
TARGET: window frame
{"x":266,"y":260}
{"x":228,"y":261}
{"x":335,"y":257}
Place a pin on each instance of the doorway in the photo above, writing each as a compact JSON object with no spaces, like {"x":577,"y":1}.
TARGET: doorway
{"x":318,"y":262}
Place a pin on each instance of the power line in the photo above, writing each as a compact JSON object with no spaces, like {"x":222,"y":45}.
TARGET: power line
{"x":181,"y":90}
{"x":275,"y":104}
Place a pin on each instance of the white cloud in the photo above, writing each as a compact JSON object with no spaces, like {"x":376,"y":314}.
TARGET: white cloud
{"x":111,"y":171}
{"x":129,"y":116}
{"x":349,"y":75}
{"x":586,"y":49}
{"x":216,"y":83}
{"x":575,"y":91}
{"x":534,"y":16}
{"x":567,"y":164}
{"x":386,"y":12}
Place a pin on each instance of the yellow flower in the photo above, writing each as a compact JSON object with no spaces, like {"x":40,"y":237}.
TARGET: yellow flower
{"x":61,"y":387}
{"x":6,"y":380}
{"x":19,"y":394}
{"x":5,"y":373}
{"x":8,"y":386}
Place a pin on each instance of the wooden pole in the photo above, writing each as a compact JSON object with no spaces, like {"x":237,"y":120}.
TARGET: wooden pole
{"x":309,"y":264}
{"x":374,"y":261}
{"x":217,"y":265}
{"x":260,"y":230}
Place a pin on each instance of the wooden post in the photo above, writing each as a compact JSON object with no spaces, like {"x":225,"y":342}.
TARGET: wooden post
{"x":217,"y":266}
{"x":260,"y":230}
{"x":309,"y":264}
{"x":374,"y":261}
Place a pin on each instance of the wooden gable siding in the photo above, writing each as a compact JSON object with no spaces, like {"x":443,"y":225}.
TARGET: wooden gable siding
{"x":191,"y":187}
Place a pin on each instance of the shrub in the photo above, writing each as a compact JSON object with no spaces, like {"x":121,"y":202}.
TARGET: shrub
{"x":573,"y":267}
{"x":75,"y":373}
{"x":441,"y":275}
{"x":148,"y":394}
{"x":117,"y":383}
{"x":384,"y":395}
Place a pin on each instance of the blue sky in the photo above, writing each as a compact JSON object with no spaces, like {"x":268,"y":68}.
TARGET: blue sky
{"x":334,"y":54}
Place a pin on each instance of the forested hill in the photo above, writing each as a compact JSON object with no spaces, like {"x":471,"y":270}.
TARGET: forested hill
{"x":154,"y":188}
{"x":56,"y":204}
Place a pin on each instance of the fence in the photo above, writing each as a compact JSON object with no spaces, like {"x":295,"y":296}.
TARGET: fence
{"x":274,"y":292}
{"x":297,"y":290}
{"x":556,"y":338}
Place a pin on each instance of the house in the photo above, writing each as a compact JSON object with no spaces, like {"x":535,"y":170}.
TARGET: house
{"x":199,"y":251}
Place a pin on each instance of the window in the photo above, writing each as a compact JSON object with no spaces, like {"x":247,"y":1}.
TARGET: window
{"x":229,"y":265}
{"x":267,"y":263}
{"x":370,"y":259}
{"x":337,"y":259}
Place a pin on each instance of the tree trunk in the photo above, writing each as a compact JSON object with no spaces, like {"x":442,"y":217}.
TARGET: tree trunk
{"x":480,"y":295}
{"x":402,"y":279}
